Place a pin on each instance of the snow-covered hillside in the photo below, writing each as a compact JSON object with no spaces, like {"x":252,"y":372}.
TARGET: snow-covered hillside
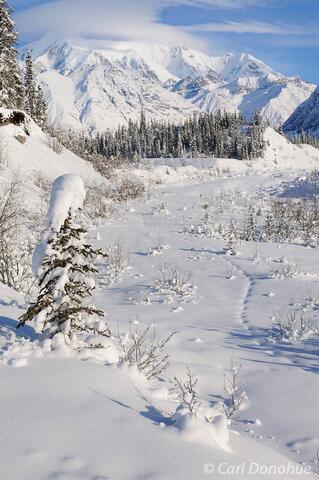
{"x":28,"y":151}
{"x":305,"y":117}
{"x":99,"y":85}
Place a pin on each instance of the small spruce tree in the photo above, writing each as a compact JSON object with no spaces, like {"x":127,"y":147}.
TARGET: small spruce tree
{"x":269,"y":227}
{"x":250,"y":232}
{"x":40,"y":116}
{"x":231,"y":239}
{"x":35,"y":104}
{"x":65,"y":286}
{"x":30,"y":86}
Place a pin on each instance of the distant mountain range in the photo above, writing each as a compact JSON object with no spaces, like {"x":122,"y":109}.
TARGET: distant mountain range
{"x":305,"y":117}
{"x":95,"y":86}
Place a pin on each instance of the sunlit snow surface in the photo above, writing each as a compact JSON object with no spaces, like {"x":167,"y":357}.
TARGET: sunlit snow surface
{"x":67,"y":417}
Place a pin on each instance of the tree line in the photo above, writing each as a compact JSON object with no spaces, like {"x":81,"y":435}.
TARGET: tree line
{"x":304,"y":138}
{"x":224,"y":134}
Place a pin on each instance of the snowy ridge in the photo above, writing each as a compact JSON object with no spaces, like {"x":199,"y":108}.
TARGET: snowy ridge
{"x":98,"y":85}
{"x":305,"y":117}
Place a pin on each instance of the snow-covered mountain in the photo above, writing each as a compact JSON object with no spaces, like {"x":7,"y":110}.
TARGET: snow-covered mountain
{"x":305,"y":117}
{"x":95,"y":85}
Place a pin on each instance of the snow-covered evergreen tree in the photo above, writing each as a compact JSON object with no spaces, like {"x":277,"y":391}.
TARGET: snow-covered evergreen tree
{"x":35,"y":104}
{"x":30,"y":86}
{"x":11,"y":86}
{"x":250,"y":231}
{"x":65,"y":275}
{"x":40,"y":108}
{"x":231,"y":239}
{"x":268,"y":227}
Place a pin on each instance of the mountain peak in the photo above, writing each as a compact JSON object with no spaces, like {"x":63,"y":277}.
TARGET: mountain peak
{"x":99,"y":84}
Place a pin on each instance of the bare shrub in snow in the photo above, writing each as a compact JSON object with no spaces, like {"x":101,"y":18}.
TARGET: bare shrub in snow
{"x":55,"y":145}
{"x":206,"y":213}
{"x":116,"y":264}
{"x":43,"y":182}
{"x":15,"y":260}
{"x":97,"y":205}
{"x":159,"y":249}
{"x":4,"y":152}
{"x":10,"y":206}
{"x":15,"y":239}
{"x":128,"y":188}
{"x":292,"y":326}
{"x":186,"y":391}
{"x":160,"y":209}
{"x":143,"y":349}
{"x":235,"y":394}
{"x":285,"y":270}
{"x":172,"y":282}
{"x":100,"y":165}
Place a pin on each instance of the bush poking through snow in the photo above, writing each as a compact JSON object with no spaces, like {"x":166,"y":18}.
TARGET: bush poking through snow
{"x":143,"y":349}
{"x":292,"y":326}
{"x":196,"y":422}
{"x":128,"y":188}
{"x":97,"y":205}
{"x":43,"y":183}
{"x":4,"y":151}
{"x":235,"y":394}
{"x":159,"y":249}
{"x":172,"y":282}
{"x":116,"y":264}
{"x":10,"y":206}
{"x":15,"y":244}
{"x":55,"y":145}
{"x":285,"y":270}
{"x":187,"y":393}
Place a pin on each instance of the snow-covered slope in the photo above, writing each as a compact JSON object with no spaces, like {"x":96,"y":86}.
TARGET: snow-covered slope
{"x":305,"y":117}
{"x":28,"y":152}
{"x":66,"y":419}
{"x":99,"y":85}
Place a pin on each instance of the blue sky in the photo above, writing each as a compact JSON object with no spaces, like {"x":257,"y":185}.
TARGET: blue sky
{"x":282,"y":33}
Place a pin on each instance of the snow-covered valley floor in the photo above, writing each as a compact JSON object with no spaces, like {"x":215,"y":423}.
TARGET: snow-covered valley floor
{"x":62,"y":418}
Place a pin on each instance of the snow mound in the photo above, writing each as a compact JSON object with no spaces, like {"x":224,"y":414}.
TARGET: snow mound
{"x":67,"y":195}
{"x":199,"y":429}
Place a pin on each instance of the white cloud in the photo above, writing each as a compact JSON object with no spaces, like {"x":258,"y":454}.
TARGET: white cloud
{"x":116,"y":19}
{"x":249,"y":27}
{"x":221,"y":4}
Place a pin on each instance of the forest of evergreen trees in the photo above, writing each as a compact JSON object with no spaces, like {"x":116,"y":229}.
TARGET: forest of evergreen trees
{"x":227,"y":135}
{"x":223,"y":134}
